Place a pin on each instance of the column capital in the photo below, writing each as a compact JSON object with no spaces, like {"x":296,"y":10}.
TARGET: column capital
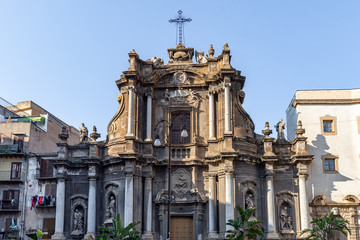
{"x":149,"y":95}
{"x":227,"y":85}
{"x":131,"y":88}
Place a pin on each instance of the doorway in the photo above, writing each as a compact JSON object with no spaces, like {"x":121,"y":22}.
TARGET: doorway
{"x":181,"y":228}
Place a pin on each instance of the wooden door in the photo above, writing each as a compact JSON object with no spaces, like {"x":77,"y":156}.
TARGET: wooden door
{"x":49,"y":227}
{"x":181,"y":228}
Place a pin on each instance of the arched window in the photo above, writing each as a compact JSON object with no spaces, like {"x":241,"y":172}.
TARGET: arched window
{"x":180,"y":120}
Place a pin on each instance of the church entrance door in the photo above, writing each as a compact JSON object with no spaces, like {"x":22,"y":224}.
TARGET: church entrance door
{"x":181,"y":228}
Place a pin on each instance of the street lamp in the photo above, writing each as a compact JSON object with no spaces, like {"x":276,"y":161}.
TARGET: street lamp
{"x":157,"y":143}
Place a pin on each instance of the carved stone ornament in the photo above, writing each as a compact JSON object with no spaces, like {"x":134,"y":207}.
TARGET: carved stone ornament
{"x":157,"y":62}
{"x":181,"y":182}
{"x":201,"y":57}
{"x":180,"y":77}
{"x":180,"y":54}
{"x":112,"y":125}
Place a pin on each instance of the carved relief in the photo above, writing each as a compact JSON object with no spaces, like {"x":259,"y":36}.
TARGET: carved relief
{"x":181,"y":182}
{"x":112,"y":125}
{"x":180,"y":77}
{"x":201,"y":57}
{"x":180,"y":96}
{"x":157,"y":62}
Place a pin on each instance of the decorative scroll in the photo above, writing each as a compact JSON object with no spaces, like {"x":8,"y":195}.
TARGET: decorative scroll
{"x":112,"y":125}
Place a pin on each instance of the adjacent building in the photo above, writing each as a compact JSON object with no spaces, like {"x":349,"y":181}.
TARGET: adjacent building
{"x":28,"y":133}
{"x":332,"y":122}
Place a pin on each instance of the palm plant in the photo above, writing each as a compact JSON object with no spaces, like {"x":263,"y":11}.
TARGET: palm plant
{"x":36,"y":235}
{"x":119,"y":232}
{"x":243,"y":226}
{"x":324,"y":228}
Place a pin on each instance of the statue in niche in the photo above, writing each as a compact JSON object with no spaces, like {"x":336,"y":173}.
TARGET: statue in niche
{"x":280,"y":126}
{"x":111,"y":208}
{"x":83,"y":133}
{"x":285,"y":220}
{"x":78,"y":222}
{"x":249,"y":201}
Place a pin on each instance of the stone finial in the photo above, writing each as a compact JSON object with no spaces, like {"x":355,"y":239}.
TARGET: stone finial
{"x":132,"y":51}
{"x":299,"y":131}
{"x":211,"y":51}
{"x":64,"y":134}
{"x":267,"y":131}
{"x":94,"y":135}
{"x":226,"y":47}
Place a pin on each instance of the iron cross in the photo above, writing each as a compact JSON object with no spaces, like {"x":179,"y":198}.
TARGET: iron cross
{"x":180,"y":24}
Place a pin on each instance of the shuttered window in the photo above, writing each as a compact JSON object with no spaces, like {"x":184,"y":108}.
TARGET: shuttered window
{"x":49,"y":227}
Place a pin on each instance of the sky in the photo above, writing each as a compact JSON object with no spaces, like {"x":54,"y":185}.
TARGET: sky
{"x":66,"y":55}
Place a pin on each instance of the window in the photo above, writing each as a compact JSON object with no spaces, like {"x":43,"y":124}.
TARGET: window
{"x":328,"y":125}
{"x":46,"y":168}
{"x":10,"y":199}
{"x":50,"y":190}
{"x":19,"y":140}
{"x":330,"y":163}
{"x":15,"y":171}
{"x":180,"y":119}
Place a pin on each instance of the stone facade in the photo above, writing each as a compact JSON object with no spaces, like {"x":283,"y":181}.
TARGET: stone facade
{"x":332,"y":122}
{"x":221,"y":164}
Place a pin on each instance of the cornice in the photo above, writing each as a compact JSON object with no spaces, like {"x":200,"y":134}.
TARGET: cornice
{"x":325,"y":101}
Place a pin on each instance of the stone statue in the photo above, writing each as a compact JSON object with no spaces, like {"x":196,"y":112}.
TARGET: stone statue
{"x":285,"y":220}
{"x":83,"y":133}
{"x":201,"y":57}
{"x":280,"y":126}
{"x":249,"y":202}
{"x":166,"y":97}
{"x":111,"y":209}
{"x":78,"y":221}
{"x":157,"y":62}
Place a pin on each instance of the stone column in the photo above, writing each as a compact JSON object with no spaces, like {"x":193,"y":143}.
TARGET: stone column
{"x":60,"y":209}
{"x":229,"y":198}
{"x":129,"y":199}
{"x":130,"y":129}
{"x":148,"y":209}
{"x":227,"y":108}
{"x":148,"y":116}
{"x":270,"y":204}
{"x":211,"y":116}
{"x":91,"y":226}
{"x":304,"y":206}
{"x":212,"y":207}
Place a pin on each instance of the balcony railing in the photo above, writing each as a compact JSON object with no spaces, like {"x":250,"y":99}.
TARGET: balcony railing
{"x":9,"y":204}
{"x":11,"y":148}
{"x":180,"y":153}
{"x":7,"y":176}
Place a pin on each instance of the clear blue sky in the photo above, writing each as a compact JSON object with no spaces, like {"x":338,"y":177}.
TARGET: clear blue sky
{"x":66,"y":55}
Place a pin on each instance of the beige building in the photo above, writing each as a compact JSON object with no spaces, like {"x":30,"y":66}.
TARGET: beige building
{"x":29,"y":133}
{"x":332,"y":122}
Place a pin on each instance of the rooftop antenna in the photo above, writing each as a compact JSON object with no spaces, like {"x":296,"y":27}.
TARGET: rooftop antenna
{"x":180,"y":26}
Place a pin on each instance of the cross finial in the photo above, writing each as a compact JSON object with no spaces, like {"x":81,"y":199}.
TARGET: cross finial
{"x":180,"y":26}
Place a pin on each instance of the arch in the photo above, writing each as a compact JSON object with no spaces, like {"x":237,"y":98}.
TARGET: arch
{"x":318,"y":200}
{"x":352,"y":199}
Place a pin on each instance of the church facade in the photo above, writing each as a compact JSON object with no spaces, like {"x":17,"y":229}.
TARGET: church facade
{"x":222,"y":163}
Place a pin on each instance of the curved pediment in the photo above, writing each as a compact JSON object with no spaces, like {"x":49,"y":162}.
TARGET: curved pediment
{"x":180,"y":75}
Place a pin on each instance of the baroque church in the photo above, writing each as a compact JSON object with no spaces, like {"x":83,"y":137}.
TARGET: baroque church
{"x":218,"y":164}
